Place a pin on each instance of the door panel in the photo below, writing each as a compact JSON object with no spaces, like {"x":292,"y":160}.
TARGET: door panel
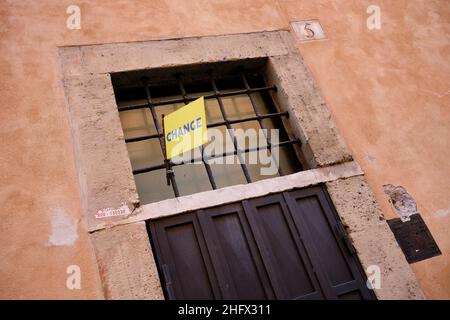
{"x":289,"y":245}
{"x":281,"y":248}
{"x":237,"y":254}
{"x":324,"y":240}
{"x":234,"y":253}
{"x":326,"y":234}
{"x":186,"y":264}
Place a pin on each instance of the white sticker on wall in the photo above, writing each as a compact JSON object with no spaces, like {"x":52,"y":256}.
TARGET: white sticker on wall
{"x":123,"y":210}
{"x":308,"y":30}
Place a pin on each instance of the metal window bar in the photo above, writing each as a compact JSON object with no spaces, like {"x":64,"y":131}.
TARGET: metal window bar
{"x":195,"y":97}
{"x":227,"y":122}
{"x":207,"y":166}
{"x":261,"y":123}
{"x":160,"y":133}
{"x":225,"y":154}
{"x":215,"y":124}
{"x":229,"y":129}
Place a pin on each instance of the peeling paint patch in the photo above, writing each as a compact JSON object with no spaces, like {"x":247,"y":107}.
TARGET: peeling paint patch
{"x":64,"y":229}
{"x":403,"y":203}
{"x":442,"y":213}
{"x":437,"y":94}
{"x":371,"y":158}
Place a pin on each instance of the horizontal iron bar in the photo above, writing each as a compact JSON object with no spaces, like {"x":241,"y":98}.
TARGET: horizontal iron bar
{"x":192,"y":98}
{"x":217,"y":124}
{"x":263,"y":116}
{"x":141,"y":138}
{"x":247,"y":150}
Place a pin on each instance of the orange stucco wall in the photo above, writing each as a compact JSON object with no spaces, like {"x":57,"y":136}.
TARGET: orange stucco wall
{"x":388,"y":91}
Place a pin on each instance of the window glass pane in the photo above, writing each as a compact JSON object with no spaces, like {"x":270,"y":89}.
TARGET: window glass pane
{"x":248,"y":135}
{"x":264,"y":168}
{"x":191,"y":178}
{"x":238,"y":107}
{"x":152,"y":186}
{"x":287,"y":159}
{"x":228,"y":174}
{"x":276,"y":123}
{"x":136,"y":123}
{"x":219,"y":142}
{"x":132,"y":103}
{"x":261,"y":105}
{"x":145,"y":153}
{"x":212,"y":110}
{"x":166,"y":109}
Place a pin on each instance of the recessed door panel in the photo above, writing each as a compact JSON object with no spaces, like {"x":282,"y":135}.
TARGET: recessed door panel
{"x":289,"y":245}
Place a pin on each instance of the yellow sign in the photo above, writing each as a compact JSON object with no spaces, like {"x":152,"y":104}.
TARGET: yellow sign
{"x":185,"y":128}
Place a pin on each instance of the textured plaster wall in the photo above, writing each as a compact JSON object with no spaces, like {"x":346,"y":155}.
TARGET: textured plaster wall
{"x":388,"y":91}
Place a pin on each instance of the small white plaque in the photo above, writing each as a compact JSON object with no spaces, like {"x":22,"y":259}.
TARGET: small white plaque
{"x":123,"y":210}
{"x":308,"y":30}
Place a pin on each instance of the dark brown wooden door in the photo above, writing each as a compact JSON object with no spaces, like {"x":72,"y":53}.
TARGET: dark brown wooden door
{"x":289,"y":245}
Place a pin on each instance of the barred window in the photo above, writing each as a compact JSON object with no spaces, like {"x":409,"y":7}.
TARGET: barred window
{"x":236,"y":97}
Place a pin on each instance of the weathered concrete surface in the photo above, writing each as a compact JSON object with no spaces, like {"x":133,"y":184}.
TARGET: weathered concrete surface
{"x":372,"y":238}
{"x":322,"y":144}
{"x":126,"y":264}
{"x":121,"y":57}
{"x":387,"y":90}
{"x":104,"y":168}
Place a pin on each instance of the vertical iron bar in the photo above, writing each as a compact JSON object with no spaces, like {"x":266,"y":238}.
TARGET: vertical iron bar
{"x":207,"y":166}
{"x":229,"y":129}
{"x":160,"y":133}
{"x":169,"y":170}
{"x":261,"y":124}
{"x":273,"y":99}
